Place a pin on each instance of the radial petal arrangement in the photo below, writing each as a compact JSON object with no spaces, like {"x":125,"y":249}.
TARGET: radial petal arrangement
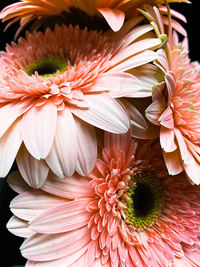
{"x":127,"y":212}
{"x":58,"y":85}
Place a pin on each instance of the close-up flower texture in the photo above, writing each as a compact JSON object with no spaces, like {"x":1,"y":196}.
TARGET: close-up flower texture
{"x":100,"y":134}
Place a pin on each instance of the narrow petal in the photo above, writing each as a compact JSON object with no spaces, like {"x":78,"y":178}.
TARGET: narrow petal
{"x":137,"y":47}
{"x":62,"y":218}
{"x":29,"y":204}
{"x":71,"y":260}
{"x":193,"y":170}
{"x":136,"y":61}
{"x":167,"y":139}
{"x":10,"y":112}
{"x":9,"y":145}
{"x":19,"y":227}
{"x":38,"y":129}
{"x":72,"y":187}
{"x":33,"y":171}
{"x":87,"y":147}
{"x":104,"y":112}
{"x":114,"y":17}
{"x":62,"y":158}
{"x":118,"y":84}
{"x":173,"y":162}
{"x":155,"y":110}
{"x":45,"y":248}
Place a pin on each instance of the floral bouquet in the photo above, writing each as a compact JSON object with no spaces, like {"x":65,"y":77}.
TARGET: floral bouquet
{"x":100,"y":111}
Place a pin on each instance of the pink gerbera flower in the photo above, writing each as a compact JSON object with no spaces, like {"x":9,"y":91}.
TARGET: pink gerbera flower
{"x":177,"y":109}
{"x":57,"y":85}
{"x":113,"y":11}
{"x":127,"y":212}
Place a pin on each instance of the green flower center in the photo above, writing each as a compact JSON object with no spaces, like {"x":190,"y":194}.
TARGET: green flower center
{"x":46,"y":67}
{"x":145,"y":201}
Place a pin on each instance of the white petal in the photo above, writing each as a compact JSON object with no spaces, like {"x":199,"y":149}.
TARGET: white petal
{"x":38,"y":129}
{"x":104,"y":112}
{"x":62,"y":158}
{"x":87,"y":147}
{"x":9,"y":146}
{"x":33,"y":171}
{"x":19,"y":227}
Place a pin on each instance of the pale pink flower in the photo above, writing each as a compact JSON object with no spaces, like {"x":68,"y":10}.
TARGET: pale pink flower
{"x":113,"y":11}
{"x":176,"y":109}
{"x":56,"y":86}
{"x":127,"y":212}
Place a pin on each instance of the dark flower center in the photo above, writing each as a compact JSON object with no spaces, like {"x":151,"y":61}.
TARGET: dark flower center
{"x":143,"y":200}
{"x":46,"y":67}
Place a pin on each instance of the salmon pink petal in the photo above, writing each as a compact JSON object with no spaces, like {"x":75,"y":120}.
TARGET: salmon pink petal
{"x":72,"y":260}
{"x":166,"y":119}
{"x":63,"y":218}
{"x":33,"y":171}
{"x":104,"y":112}
{"x":62,"y":158}
{"x":114,"y":17}
{"x":173,"y":162}
{"x":136,"y":61}
{"x":154,"y":111}
{"x":31,"y":203}
{"x":118,"y":84}
{"x":9,"y":145}
{"x":42,"y":248}
{"x":167,"y":139}
{"x":19,"y":227}
{"x":193,"y":169}
{"x":38,"y":129}
{"x":185,"y":154}
{"x":76,"y":186}
{"x":10,"y":112}
{"x":87,"y":147}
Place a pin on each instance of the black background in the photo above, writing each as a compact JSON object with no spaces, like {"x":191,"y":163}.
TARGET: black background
{"x":9,"y":250}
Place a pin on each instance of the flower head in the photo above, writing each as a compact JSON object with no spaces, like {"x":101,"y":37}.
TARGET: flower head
{"x":176,"y":109}
{"x":114,"y":12}
{"x":127,"y":212}
{"x":57,"y":85}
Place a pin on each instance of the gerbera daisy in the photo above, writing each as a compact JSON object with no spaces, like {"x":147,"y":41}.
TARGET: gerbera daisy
{"x":176,"y":108}
{"x":57,"y":85}
{"x":113,"y":11}
{"x":127,"y":212}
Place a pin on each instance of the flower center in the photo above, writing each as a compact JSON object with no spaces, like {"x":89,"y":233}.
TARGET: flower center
{"x":145,"y":201}
{"x":46,"y":67}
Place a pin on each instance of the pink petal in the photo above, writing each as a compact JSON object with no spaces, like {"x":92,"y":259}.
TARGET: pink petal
{"x":63,"y":218}
{"x":193,"y":170}
{"x":114,"y":17}
{"x":41,"y":247}
{"x":118,"y":84}
{"x":33,"y":171}
{"x":62,"y":158}
{"x":166,"y":119}
{"x":9,"y":146}
{"x":71,"y":260}
{"x":104,"y":112}
{"x":87,"y":147}
{"x":185,"y":154}
{"x":38,"y":129}
{"x":173,"y":162}
{"x":167,"y":139}
{"x":29,"y":204}
{"x":135,"y":48}
{"x":154,"y":111}
{"x":19,"y":227}
{"x":135,"y":61}
{"x":10,"y":112}
{"x":17,"y":183}
{"x":72,"y":187}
